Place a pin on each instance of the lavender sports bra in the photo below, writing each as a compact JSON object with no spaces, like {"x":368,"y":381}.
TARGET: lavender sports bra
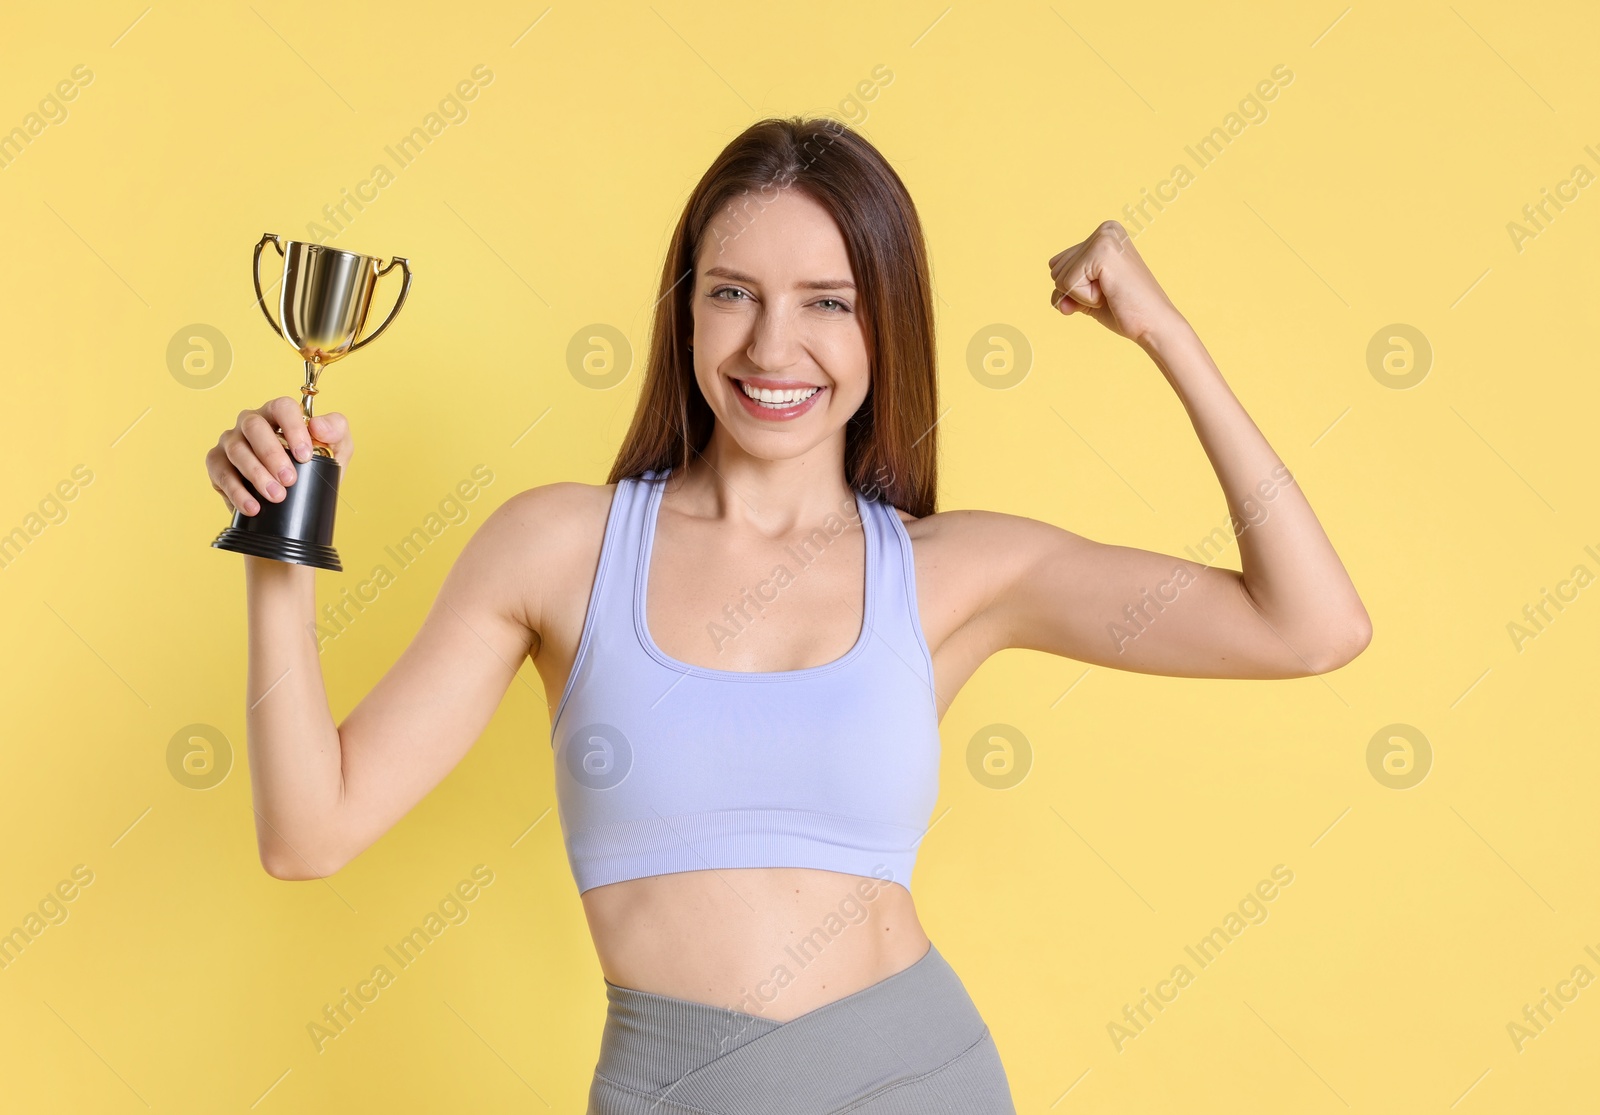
{"x":663,"y":766}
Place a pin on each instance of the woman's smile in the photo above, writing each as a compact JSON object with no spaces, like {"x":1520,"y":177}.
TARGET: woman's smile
{"x":775,"y":400}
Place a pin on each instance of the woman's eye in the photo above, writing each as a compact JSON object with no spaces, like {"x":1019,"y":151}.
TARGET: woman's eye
{"x":735,"y":294}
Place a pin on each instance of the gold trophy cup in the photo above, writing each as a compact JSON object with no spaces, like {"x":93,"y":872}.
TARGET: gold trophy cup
{"x":322,"y":304}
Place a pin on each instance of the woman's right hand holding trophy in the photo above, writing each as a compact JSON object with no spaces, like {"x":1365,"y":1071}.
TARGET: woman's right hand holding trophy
{"x":252,"y":449}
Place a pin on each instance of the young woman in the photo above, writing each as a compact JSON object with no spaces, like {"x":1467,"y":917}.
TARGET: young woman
{"x":749,"y":634}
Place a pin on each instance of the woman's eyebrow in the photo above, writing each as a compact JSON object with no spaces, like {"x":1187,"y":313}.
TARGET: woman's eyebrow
{"x":807,"y":284}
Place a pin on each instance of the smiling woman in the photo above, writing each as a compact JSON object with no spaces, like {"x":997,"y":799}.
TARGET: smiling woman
{"x":743,"y":831}
{"x":716,"y":831}
{"x":797,"y":283}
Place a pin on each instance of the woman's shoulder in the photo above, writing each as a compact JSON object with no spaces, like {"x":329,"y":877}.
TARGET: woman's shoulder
{"x":551,"y":530}
{"x":964,"y":559}
{"x":961,"y":528}
{"x":972,"y":541}
{"x":563,"y":513}
{"x":564,"y":499}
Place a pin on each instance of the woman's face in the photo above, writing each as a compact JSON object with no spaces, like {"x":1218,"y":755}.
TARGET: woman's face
{"x":776,"y":312}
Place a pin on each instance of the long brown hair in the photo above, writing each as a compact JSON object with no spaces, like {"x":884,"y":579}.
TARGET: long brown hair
{"x":890,"y":442}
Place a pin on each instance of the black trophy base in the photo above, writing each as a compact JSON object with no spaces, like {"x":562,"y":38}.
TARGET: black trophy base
{"x":299,"y":528}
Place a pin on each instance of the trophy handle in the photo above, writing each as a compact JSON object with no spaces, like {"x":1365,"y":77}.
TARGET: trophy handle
{"x":405,"y":288}
{"x":255,"y":274}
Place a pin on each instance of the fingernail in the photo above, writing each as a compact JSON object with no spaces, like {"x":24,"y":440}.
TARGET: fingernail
{"x":274,"y":492}
{"x":286,"y":474}
{"x":302,"y":453}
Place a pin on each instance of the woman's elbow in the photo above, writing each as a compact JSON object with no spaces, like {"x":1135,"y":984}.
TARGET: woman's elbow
{"x":292,"y":866}
{"x":1341,"y":653}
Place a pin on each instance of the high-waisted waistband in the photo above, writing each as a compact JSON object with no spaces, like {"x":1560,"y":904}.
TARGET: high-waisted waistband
{"x":909,"y":1044}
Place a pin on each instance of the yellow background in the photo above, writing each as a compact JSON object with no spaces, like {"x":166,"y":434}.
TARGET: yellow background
{"x":1377,"y":192}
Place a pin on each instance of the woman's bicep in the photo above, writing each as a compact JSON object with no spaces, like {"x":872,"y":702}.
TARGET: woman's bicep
{"x":1131,"y":609}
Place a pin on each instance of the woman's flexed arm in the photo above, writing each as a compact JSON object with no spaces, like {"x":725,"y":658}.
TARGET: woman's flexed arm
{"x":1292,"y":611}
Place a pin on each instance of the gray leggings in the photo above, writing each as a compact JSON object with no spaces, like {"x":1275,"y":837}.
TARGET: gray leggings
{"x":910,"y":1044}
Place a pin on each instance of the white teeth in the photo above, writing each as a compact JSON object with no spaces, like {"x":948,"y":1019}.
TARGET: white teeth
{"x":779,"y":400}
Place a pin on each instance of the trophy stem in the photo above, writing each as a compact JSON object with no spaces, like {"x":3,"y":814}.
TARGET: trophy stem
{"x":309,"y":391}
{"x":307,"y":394}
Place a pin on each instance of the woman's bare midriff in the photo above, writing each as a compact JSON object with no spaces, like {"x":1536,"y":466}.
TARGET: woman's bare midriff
{"x":769,"y":941}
